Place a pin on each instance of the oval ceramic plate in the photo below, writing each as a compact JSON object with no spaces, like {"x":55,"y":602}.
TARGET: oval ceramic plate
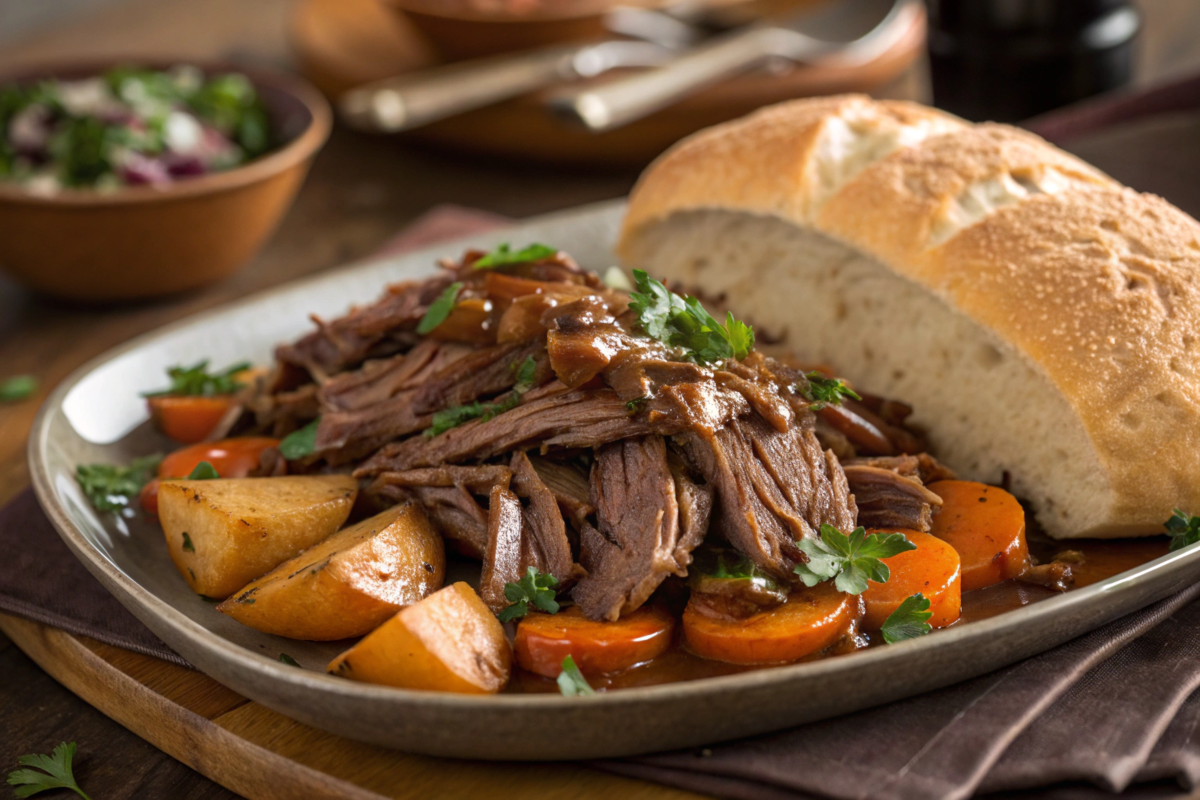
{"x":97,"y":416}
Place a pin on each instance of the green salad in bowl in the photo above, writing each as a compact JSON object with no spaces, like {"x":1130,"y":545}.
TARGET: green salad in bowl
{"x":129,"y":127}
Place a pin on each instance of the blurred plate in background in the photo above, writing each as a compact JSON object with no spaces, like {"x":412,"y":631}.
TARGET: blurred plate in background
{"x":344,"y":43}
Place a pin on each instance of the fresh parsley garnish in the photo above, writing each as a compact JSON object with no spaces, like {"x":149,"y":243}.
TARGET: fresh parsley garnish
{"x":1183,"y":528}
{"x":908,"y":621}
{"x":286,"y":659}
{"x":571,"y":681}
{"x":197,"y":381}
{"x":18,"y":387}
{"x":533,"y":589}
{"x":188,"y":547}
{"x":300,"y":443}
{"x":726,"y":564}
{"x":449,"y":418}
{"x":634,"y":405}
{"x":440,"y":309}
{"x":110,"y":488}
{"x":55,"y":773}
{"x":851,"y":560}
{"x":822,"y":391}
{"x":526,"y":372}
{"x":203,"y":471}
{"x":712,"y":563}
{"x":503,"y":256}
{"x":684,"y":322}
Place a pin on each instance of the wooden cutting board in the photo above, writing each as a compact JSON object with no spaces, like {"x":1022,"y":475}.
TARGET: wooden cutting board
{"x":263,"y":755}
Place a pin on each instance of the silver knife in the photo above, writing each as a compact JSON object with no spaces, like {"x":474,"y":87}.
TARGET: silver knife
{"x":410,"y":101}
{"x":854,"y":32}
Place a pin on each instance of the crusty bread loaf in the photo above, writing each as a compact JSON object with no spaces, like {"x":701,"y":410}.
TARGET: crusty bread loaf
{"x":1043,"y":320}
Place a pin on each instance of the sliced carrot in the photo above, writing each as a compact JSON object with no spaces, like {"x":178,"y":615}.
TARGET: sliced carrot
{"x":986,"y":525}
{"x":933,"y":569}
{"x":189,"y":419}
{"x":231,"y":458}
{"x":544,"y":640}
{"x":811,"y":620}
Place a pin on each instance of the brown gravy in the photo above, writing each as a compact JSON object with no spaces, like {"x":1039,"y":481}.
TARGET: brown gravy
{"x":1101,"y":559}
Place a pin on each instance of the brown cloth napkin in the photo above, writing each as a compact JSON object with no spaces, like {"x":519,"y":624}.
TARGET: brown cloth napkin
{"x":1097,"y":709}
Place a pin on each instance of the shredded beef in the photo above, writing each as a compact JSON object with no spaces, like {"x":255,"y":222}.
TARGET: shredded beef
{"x":372,"y":331}
{"x":503,"y":559}
{"x":482,"y":373}
{"x":523,"y":536}
{"x":582,"y":418}
{"x":569,"y":485}
{"x":637,"y":542}
{"x":772,"y":487}
{"x":921,"y":466}
{"x":448,"y":494}
{"x":888,"y":499}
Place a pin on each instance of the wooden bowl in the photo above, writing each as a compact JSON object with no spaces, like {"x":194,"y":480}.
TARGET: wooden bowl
{"x":144,"y":241}
{"x":461,"y":29}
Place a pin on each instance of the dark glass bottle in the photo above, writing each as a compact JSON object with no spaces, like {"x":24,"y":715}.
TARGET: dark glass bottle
{"x":1007,"y":60}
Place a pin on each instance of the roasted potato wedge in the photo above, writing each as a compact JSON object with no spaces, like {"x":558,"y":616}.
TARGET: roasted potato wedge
{"x":448,"y":642}
{"x":348,"y":584}
{"x":224,"y":533}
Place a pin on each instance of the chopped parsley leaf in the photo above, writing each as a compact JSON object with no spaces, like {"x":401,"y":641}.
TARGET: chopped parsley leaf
{"x":503,"y":256}
{"x":571,"y":681}
{"x":300,"y":443}
{"x":850,"y":560}
{"x":111,"y":488}
{"x":203,"y":471}
{"x":444,"y":420}
{"x":822,"y":391}
{"x":533,"y":589}
{"x":440,"y":309}
{"x":684,"y":322}
{"x":18,"y":387}
{"x":196,"y":381}
{"x":1183,"y":528}
{"x":908,"y":621}
{"x":188,"y":547}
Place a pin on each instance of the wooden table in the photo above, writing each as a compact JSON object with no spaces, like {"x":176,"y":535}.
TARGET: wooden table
{"x":361,"y":190}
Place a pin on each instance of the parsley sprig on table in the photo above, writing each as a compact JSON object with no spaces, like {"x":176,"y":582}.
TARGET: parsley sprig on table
{"x":440,"y":309}
{"x":449,"y":418}
{"x":197,"y":381}
{"x":571,"y":681}
{"x":908,"y":621}
{"x":300,"y":443}
{"x":534,"y":589}
{"x":55,"y":773}
{"x":822,"y":391}
{"x":18,"y":387}
{"x":684,"y":322}
{"x":503,"y":256}
{"x":1183,"y":528}
{"x":849,"y":560}
{"x":111,"y":488}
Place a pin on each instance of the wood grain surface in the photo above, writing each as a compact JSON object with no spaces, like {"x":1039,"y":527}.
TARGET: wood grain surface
{"x":362,"y":189}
